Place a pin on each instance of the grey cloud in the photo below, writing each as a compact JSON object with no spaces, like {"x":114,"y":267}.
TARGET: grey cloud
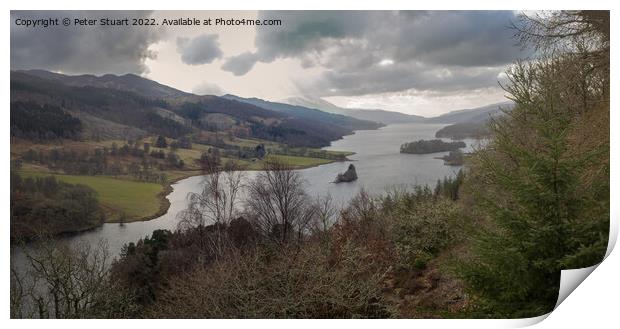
{"x":240,"y":64}
{"x":202,"y":49}
{"x":77,"y":50}
{"x":308,"y":31}
{"x":302,"y":33}
{"x":465,"y":38}
{"x":461,"y":38}
{"x":207,"y":88}
{"x":473,"y":46}
{"x":401,"y":77}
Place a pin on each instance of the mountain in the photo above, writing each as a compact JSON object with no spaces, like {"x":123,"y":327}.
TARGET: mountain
{"x":475,"y":115}
{"x":473,"y":123}
{"x":130,"y":106}
{"x":102,"y":111}
{"x":471,"y":115}
{"x":128,"y":82}
{"x":307,"y":113}
{"x":125,"y":106}
{"x":315,"y":103}
{"x":382,"y":116}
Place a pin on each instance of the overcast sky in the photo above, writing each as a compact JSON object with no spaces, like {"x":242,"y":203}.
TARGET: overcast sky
{"x":416,"y":62}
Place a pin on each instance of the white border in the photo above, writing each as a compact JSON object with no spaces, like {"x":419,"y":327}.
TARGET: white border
{"x":593,"y":304}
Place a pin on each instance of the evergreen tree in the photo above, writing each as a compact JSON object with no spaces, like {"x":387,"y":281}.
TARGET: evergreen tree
{"x":161,"y":142}
{"x":548,"y":209}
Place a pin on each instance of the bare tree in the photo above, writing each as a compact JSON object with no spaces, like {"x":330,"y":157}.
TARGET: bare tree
{"x":564,"y":29}
{"x":277,"y":202}
{"x":67,"y":282}
{"x":217,"y":204}
{"x":325,"y":216}
{"x":21,"y":290}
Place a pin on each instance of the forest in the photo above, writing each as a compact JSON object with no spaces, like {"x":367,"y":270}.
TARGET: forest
{"x":29,"y":120}
{"x":44,"y":206}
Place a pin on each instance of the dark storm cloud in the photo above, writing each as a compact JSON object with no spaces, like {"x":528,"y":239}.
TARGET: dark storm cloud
{"x":74,"y":49}
{"x":202,"y":49}
{"x":372,"y":51}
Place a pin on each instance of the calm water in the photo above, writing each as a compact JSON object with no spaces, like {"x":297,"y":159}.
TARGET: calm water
{"x":379,"y":166}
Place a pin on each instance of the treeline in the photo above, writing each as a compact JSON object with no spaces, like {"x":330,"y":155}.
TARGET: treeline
{"x":139,"y":161}
{"x":248,"y":152}
{"x":430,"y":146}
{"x":308,"y":152}
{"x":33,"y":121}
{"x":43,"y":206}
{"x":73,"y":161}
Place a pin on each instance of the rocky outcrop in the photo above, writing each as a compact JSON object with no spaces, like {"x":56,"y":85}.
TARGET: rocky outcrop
{"x":348,"y":176}
{"x":454,"y":158}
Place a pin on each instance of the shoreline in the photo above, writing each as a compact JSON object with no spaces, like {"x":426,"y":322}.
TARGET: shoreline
{"x":165,"y":203}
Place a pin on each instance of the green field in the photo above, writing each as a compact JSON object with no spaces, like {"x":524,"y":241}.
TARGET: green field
{"x":137,"y":200}
{"x":299,"y":161}
{"x":122,"y":198}
{"x":189,"y":156}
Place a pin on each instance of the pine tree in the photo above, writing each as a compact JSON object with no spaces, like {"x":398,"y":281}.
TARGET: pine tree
{"x":543,"y":216}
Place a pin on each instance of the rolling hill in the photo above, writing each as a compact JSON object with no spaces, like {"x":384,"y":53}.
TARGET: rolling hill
{"x":112,"y":106}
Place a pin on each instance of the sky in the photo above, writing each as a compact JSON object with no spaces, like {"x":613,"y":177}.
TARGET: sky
{"x":416,"y":62}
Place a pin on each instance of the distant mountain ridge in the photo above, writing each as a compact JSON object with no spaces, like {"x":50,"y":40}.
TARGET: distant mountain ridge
{"x":471,"y":123}
{"x":127,"y":82}
{"x":112,"y":106}
{"x":466,"y":123}
{"x":309,"y":113}
{"x":472,"y":115}
{"x":382,"y":116}
{"x":391,"y":117}
{"x":135,"y":105}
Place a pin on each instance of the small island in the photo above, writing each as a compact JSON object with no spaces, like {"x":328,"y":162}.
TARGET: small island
{"x":430,"y":146}
{"x":348,"y":176}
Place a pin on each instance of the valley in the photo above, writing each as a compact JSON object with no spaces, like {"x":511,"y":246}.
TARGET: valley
{"x":149,"y":180}
{"x":125,"y":197}
{"x":105,"y":133}
{"x":129,"y":138}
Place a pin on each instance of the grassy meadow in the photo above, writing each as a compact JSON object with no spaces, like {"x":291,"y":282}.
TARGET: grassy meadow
{"x":135,"y":200}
